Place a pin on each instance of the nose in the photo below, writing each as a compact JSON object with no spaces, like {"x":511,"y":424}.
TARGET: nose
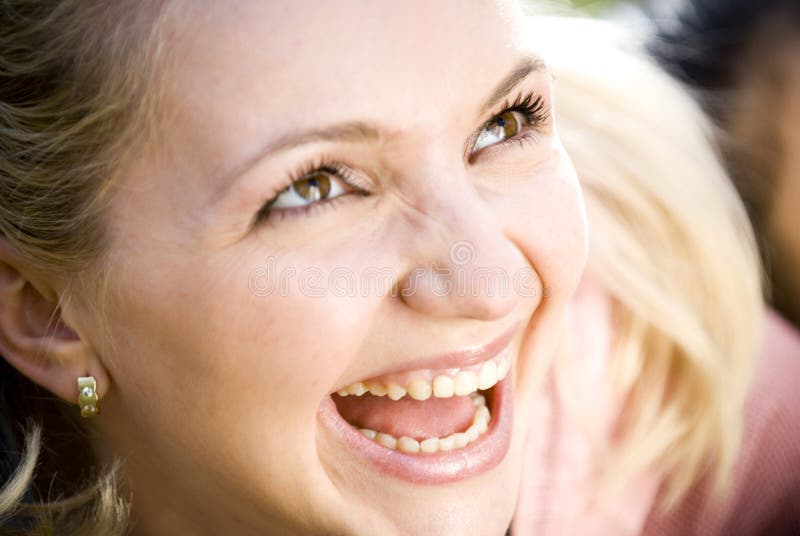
{"x":464,"y":264}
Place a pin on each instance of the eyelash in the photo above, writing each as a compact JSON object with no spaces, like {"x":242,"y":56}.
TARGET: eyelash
{"x":323,"y":164}
{"x":536,"y":115}
{"x":532,"y":108}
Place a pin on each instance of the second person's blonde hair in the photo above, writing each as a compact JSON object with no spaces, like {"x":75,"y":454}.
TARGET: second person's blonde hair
{"x":671,"y":243}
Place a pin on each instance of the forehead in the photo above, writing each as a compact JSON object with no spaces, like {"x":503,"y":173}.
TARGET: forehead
{"x":243,"y":73}
{"x":347,"y":56}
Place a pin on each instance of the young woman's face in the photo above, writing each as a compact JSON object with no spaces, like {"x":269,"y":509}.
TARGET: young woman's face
{"x":433,"y":234}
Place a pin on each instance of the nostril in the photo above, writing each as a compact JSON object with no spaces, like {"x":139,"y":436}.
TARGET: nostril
{"x":482,"y":294}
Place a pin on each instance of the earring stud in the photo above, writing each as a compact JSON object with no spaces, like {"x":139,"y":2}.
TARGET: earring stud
{"x":87,"y":396}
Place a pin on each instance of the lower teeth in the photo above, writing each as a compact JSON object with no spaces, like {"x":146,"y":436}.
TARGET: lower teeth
{"x":480,"y":423}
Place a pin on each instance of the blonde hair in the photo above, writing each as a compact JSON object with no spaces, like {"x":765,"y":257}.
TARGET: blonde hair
{"x":671,"y":243}
{"x":97,"y":510}
{"x":78,"y":87}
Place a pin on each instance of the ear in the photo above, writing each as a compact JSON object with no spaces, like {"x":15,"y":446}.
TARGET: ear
{"x":33,"y":336}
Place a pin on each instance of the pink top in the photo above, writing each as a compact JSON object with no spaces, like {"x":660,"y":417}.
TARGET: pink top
{"x":765,"y":498}
{"x":766,"y":493}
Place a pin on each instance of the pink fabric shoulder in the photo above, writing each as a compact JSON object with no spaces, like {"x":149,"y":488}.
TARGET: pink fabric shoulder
{"x":765,"y":499}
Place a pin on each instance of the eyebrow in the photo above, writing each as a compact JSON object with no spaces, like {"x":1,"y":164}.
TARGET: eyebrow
{"x":353,"y":132}
{"x":525,"y":67}
{"x":360,"y":131}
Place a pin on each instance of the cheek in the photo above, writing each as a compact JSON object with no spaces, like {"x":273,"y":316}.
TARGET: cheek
{"x":223,"y":383}
{"x":546,"y":218}
{"x":227,"y":363}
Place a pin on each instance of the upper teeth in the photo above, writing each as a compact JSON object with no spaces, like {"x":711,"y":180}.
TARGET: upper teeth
{"x":453,"y":382}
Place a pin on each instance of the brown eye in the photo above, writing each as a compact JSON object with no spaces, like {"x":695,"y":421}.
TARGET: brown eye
{"x":317,"y":186}
{"x":502,"y":127}
{"x":313,"y":188}
{"x":509,"y":123}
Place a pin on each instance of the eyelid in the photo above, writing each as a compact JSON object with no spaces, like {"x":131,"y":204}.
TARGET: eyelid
{"x":523,"y":96}
{"x":353,"y":182}
{"x":307,"y":210}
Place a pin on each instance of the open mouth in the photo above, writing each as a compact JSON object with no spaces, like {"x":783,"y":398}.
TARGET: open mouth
{"x":424,"y":412}
{"x":448,"y":418}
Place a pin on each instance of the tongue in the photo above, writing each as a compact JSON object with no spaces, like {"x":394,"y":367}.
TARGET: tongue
{"x":435,"y":417}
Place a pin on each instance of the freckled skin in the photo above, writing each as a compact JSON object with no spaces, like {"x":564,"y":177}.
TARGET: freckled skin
{"x":216,"y":388}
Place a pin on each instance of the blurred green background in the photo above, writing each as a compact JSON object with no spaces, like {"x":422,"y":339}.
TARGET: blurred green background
{"x":596,"y":7}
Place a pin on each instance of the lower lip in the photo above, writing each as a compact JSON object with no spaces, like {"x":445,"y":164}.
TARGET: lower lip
{"x":442,"y":467}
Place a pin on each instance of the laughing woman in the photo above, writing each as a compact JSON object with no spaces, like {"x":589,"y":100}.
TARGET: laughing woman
{"x":298,"y":269}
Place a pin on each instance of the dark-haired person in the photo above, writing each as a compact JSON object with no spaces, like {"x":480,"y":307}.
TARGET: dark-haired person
{"x":742,"y":59}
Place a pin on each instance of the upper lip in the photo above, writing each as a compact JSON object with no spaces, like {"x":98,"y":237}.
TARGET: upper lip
{"x":453,"y":359}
